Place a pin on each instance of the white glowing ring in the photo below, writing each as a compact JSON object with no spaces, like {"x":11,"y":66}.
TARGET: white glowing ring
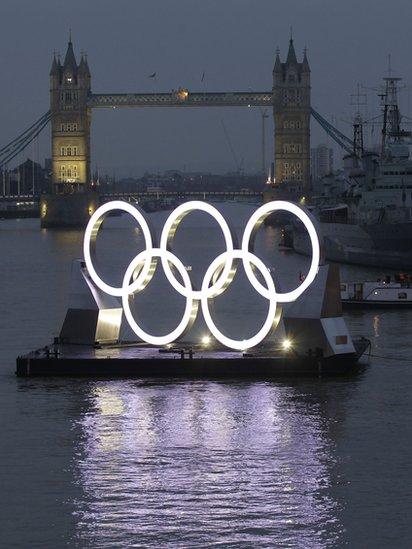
{"x":251,"y":228}
{"x":218,"y":275}
{"x":190,"y":312}
{"x":90,"y":236}
{"x":271,"y":317}
{"x":225,"y":275}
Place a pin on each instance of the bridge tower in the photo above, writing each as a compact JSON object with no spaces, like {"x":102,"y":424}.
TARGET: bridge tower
{"x":291,"y":112}
{"x":71,"y":201}
{"x":69,"y":91}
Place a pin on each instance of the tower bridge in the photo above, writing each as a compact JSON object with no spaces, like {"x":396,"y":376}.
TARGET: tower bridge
{"x":72,"y":102}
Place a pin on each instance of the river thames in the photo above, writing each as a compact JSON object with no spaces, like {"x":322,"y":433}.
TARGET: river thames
{"x":122,"y":463}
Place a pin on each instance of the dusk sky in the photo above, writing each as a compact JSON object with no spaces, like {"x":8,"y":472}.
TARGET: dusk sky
{"x":232,"y":41}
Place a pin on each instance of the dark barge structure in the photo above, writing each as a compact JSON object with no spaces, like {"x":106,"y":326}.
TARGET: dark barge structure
{"x":140,"y":361}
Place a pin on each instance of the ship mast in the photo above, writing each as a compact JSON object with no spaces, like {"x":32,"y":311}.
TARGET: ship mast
{"x":391,"y":127}
{"x":358,"y":148}
{"x":358,"y":99}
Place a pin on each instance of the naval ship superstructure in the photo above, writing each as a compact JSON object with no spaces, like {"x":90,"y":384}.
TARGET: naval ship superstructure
{"x":370,"y":222}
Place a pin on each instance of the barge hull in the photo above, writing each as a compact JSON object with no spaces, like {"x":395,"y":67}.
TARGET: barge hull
{"x":150,"y":363}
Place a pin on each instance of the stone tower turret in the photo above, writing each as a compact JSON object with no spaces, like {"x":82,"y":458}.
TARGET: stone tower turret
{"x":69,"y":92}
{"x":291,"y":111}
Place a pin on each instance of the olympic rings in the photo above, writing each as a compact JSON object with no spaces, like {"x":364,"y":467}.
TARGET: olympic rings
{"x":218,"y":275}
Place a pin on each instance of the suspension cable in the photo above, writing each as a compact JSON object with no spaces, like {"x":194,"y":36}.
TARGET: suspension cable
{"x":24,"y":134}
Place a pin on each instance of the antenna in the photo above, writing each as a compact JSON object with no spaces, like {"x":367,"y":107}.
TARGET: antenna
{"x":359,"y":99}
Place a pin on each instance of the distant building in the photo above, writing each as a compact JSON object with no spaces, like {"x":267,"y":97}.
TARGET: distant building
{"x":321,"y":162}
{"x":29,"y":177}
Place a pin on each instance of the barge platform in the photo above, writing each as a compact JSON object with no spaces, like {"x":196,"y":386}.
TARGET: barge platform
{"x":143,"y":361}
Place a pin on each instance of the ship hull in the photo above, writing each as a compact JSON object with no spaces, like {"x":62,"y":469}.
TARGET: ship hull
{"x":375,"y":245}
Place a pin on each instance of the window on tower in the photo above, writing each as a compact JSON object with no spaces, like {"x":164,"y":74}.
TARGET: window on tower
{"x":292,"y":171}
{"x":292,"y":124}
{"x":69,"y":173}
{"x":69,"y":127}
{"x":68,"y":151}
{"x":292,"y":148}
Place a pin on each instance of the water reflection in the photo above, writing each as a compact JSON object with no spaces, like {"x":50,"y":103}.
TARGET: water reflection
{"x":376,"y":322}
{"x":200,"y":463}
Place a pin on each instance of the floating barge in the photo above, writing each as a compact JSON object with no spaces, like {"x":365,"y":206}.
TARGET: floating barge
{"x":140,"y":361}
{"x":312,"y":336}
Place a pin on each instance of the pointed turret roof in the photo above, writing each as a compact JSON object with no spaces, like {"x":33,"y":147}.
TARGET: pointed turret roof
{"x":84,"y":66}
{"x":305,"y":62}
{"x":291,"y":58}
{"x":70,"y":59}
{"x":278,"y":63}
{"x":55,"y":68}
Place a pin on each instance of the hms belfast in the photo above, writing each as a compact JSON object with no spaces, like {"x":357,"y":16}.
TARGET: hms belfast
{"x":370,"y":221}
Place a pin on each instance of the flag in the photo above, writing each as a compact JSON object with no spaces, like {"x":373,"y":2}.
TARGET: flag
{"x":203,"y":76}
{"x":152,"y":75}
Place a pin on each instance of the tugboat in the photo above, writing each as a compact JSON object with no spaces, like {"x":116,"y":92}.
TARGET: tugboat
{"x":382,"y":293}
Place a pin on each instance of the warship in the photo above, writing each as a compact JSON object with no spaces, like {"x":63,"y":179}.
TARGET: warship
{"x":368,"y":221}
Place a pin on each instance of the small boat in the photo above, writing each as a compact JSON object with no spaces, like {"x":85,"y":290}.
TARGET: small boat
{"x":382,"y":293}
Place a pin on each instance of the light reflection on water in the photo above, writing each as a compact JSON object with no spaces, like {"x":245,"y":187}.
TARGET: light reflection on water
{"x":204,"y":463}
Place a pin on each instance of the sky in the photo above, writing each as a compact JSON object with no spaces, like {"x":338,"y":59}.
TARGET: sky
{"x":232,"y":41}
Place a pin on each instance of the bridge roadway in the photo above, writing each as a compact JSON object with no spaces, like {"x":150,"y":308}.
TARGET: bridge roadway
{"x":26,"y":200}
{"x":182,"y":98}
{"x":199,"y":195}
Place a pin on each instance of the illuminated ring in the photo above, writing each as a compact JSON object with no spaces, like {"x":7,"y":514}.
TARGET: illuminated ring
{"x":218,"y":275}
{"x":249,"y":234}
{"x":272,"y":317}
{"x":222,"y":278}
{"x":90,"y":236}
{"x":190,"y":313}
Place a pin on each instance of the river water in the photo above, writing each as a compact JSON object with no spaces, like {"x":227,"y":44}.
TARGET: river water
{"x":96,"y":463}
